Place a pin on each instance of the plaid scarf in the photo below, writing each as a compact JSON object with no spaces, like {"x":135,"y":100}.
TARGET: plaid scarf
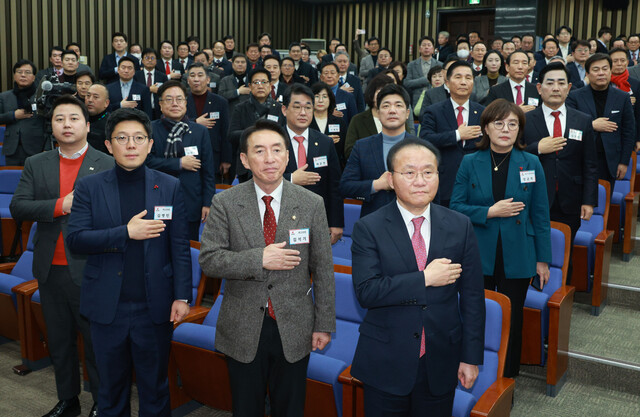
{"x":175,"y":148}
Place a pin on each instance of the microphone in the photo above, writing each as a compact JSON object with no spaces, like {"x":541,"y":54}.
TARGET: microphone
{"x":47,"y":85}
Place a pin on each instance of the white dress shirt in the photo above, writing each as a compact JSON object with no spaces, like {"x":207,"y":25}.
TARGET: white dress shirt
{"x":549,"y":119}
{"x":465,"y":115}
{"x":275,"y":203}
{"x":425,"y":229}
{"x":295,"y":144}
{"x":514,"y":91}
{"x":75,"y":155}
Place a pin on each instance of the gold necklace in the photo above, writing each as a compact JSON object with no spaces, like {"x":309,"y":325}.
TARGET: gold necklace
{"x":494,"y":161}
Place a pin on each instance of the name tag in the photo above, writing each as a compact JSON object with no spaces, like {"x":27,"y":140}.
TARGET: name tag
{"x":162,"y":212}
{"x":527,"y":176}
{"x":298,"y":236}
{"x":352,"y":72}
{"x":34,"y":107}
{"x":615,"y":111}
{"x":212,"y":85}
{"x":532,"y":101}
{"x":272,"y":117}
{"x":575,"y":134}
{"x":279,"y":99}
{"x":135,"y":97}
{"x":191,"y":150}
{"x":320,"y":161}
{"x":159,"y":84}
{"x":215,"y":115}
{"x":346,"y":85}
{"x":334,"y":128}
{"x":341,"y":106}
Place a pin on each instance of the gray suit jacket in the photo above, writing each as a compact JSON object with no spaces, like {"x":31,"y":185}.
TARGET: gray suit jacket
{"x":634,"y":72}
{"x":232,"y":246}
{"x":30,"y":131}
{"x":366,"y":65}
{"x":481,"y":86}
{"x":35,"y":199}
{"x":416,"y":81}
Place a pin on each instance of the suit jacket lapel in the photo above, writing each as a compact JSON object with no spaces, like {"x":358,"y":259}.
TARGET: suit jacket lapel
{"x":516,"y":164}
{"x":112,"y":197}
{"x":398,"y":234}
{"x":588,"y":92}
{"x":482,"y":166}
{"x":313,"y":148}
{"x":52,"y":174}
{"x":289,"y":216}
{"x":608,"y":105}
{"x":538,"y":121}
{"x":439,"y":233}
{"x":249,"y":214}
{"x":87,"y":167}
{"x":377,"y":153}
{"x":451,"y":115}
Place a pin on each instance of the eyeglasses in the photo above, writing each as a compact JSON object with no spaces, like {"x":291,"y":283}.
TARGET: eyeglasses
{"x":149,"y":58}
{"x":298,"y":108}
{"x":412,"y":175}
{"x":24,"y":72}
{"x":260,"y":82}
{"x":124,"y":140}
{"x":170,"y":99}
{"x":582,"y":50}
{"x":499,"y":124}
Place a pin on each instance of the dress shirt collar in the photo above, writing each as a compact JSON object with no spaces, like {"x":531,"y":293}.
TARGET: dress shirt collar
{"x":456,"y":105}
{"x":522,"y":83}
{"x":126,"y":84}
{"x":276,"y":194}
{"x":75,"y":155}
{"x":292,"y":133}
{"x":547,"y":111}
{"x":407,"y":216}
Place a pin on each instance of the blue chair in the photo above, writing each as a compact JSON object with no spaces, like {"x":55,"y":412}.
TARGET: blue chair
{"x":592,"y":252}
{"x":9,"y":179}
{"x":3,"y":161}
{"x":342,"y":248}
{"x":491,"y":394}
{"x":623,"y":215}
{"x":547,"y":315}
{"x":2,"y":130}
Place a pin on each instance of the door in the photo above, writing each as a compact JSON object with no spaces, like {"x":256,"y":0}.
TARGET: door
{"x":463,"y":22}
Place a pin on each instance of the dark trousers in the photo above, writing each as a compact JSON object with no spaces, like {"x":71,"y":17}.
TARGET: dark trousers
{"x":571,"y":220}
{"x":133,"y":342}
{"x":286,"y":381}
{"x":194,"y":230}
{"x":603,"y":172}
{"x":60,"y":300}
{"x":18,"y":157}
{"x":418,"y":403}
{"x":516,"y":290}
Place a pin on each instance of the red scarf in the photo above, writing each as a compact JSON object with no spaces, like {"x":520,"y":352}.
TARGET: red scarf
{"x":622,"y":81}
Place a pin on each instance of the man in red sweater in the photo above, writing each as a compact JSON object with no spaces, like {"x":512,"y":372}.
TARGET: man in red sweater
{"x":45,"y":195}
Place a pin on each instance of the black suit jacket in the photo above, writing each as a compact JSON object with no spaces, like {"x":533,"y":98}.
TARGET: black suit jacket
{"x":218,"y":133}
{"x":108,"y":65}
{"x":574,"y":76}
{"x":320,"y":147}
{"x":223,"y":68}
{"x":575,"y":168}
{"x":444,"y":53}
{"x":115,"y":96}
{"x":175,"y":66}
{"x":503,"y":90}
{"x":305,"y":69}
{"x":334,"y":123}
{"x":158,"y":77}
{"x":600,"y":48}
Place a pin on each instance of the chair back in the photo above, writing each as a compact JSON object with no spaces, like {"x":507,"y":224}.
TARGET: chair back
{"x":598,"y":221}
{"x":3,"y":161}
{"x":351,"y":216}
{"x":9,"y":179}
{"x":24,"y":267}
{"x":212,"y":316}
{"x":560,"y":249}
{"x":198,"y":280}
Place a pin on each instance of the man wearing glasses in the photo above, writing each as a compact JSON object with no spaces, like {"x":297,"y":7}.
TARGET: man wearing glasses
{"x":577,"y":71}
{"x":153,"y":78}
{"x":182,"y":148}
{"x":131,"y":223}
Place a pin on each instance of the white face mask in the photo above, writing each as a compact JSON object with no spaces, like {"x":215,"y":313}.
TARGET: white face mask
{"x":138,"y":56}
{"x":463,"y":53}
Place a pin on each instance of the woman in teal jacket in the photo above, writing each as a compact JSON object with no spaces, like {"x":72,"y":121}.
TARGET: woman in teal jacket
{"x":502,"y":190}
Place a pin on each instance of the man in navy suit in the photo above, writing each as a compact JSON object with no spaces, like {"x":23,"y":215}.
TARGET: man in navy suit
{"x":417,"y":271}
{"x":517,"y":89}
{"x":453,"y":126}
{"x":577,"y":73}
{"x":349,"y":82}
{"x":109,"y":65}
{"x":364,"y":176}
{"x":550,"y":48}
{"x":172,"y":68}
{"x":182,"y":148}
{"x":313,"y":160}
{"x":303,"y":69}
{"x":183,"y":56}
{"x":345,"y":102}
{"x":612,"y":115}
{"x":220,"y":61}
{"x":131,"y":222}
{"x":211,"y":111}
{"x":153,"y":78}
{"x":126,"y":92}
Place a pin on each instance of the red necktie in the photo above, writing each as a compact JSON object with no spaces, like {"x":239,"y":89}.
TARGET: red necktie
{"x":302,"y":155}
{"x":273,"y":92}
{"x":269,"y":229}
{"x":420,"y":251}
{"x":519,"y":95}
{"x":460,"y":119}
{"x":149,"y":84}
{"x":166,"y":68}
{"x":528,"y":78}
{"x":182,"y":62}
{"x":478,"y":69}
{"x":557,"y":131}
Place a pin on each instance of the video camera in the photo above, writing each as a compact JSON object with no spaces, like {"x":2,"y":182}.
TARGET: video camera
{"x":49,"y":90}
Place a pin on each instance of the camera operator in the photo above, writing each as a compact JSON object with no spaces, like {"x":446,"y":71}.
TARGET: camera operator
{"x":69,"y":67}
{"x":24,"y":135}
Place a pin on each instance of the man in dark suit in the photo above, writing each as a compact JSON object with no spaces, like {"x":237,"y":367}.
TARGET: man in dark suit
{"x":621,"y":80}
{"x":333,"y":44}
{"x":444,"y":47}
{"x":131,"y":222}
{"x":183,"y":55}
{"x":220,"y":61}
{"x":349,"y":82}
{"x":211,"y":111}
{"x":517,"y":90}
{"x":345,"y":102}
{"x":267,"y":237}
{"x":577,"y":73}
{"x":45,"y":194}
{"x":550,"y":48}
{"x":109,"y":65}
{"x":612,"y":115}
{"x":229,"y":47}
{"x":182,"y":148}
{"x":563,"y":139}
{"x":313,"y":161}
{"x":55,"y":58}
{"x":171,"y":67}
{"x":278,"y":89}
{"x":235,"y":87}
{"x":24,"y":134}
{"x":152,"y":77}
{"x":633,"y":43}
{"x":417,"y":271}
{"x":364,"y":176}
{"x":303,"y":69}
{"x":453,"y":126}
{"x":604,"y":37}
{"x":128,"y":93}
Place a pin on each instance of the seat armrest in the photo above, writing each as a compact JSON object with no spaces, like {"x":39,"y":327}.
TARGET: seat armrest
{"x":7,"y":267}
{"x":26,"y":288}
{"x":496,"y":400}
{"x":561,"y":296}
{"x":603,"y":236}
{"x":196,"y":315}
{"x":347,"y":379}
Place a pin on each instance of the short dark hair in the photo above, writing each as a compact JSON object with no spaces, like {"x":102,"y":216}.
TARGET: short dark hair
{"x":386,"y":49}
{"x":516,"y":37}
{"x":169,"y":84}
{"x":198,"y":65}
{"x":623,"y":50}
{"x":267,"y":34}
{"x":452,"y":58}
{"x":243,"y":56}
{"x":252,"y":45}
{"x":517,"y":51}
{"x":297,"y":88}
{"x":603,"y":30}
{"x":147,"y":51}
{"x":479,"y":43}
{"x":69,"y":99}
{"x":392,"y":89}
{"x":23,"y":62}
{"x":474,"y":31}
{"x":400,"y":64}
{"x":70,"y":44}
{"x":166,"y":41}
{"x":461,"y":41}
{"x":86,"y":73}
{"x":330,"y":64}
{"x":374,"y":85}
{"x":265,"y":46}
{"x":261,"y":124}
{"x":597,"y":57}
{"x":288,"y":58}
{"x":273,"y":57}
{"x":633,"y":35}
{"x":567,"y":28}
{"x":206,"y":55}
{"x":427,"y":38}
{"x":55,"y":48}
{"x":318,"y":87}
{"x":392,"y":73}
{"x":373,"y":38}
{"x":498,"y":110}
{"x":335,"y":39}
{"x":552,"y":66}
{"x":530,"y":35}
{"x":292,"y":44}
{"x":458,"y":63}
{"x":115,"y":34}
{"x":391,"y":156}
{"x":124,"y":115}
{"x":182,"y":43}
{"x":433,"y":71}
{"x":258,"y":71}
{"x":580,"y":42}
{"x":69,"y":52}
{"x":193,"y":38}
{"x":554,"y":40}
{"x":227,"y":37}
{"x":127,"y":58}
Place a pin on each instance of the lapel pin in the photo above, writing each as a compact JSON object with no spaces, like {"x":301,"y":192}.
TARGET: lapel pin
{"x":315,"y":143}
{"x":293,"y":217}
{"x":90,"y":168}
{"x":155,"y":187}
{"x":475,"y":112}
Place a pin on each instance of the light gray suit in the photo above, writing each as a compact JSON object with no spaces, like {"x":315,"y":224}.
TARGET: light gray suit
{"x":29,"y":132}
{"x":634,"y":72}
{"x":366,"y":65}
{"x":416,"y":80}
{"x":232,"y":247}
{"x":481,"y":86}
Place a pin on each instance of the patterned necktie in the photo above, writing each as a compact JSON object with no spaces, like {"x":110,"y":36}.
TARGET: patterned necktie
{"x":269,"y":230}
{"x":460,"y":119}
{"x":557,"y":131}
{"x":273,"y":92}
{"x":420,"y":251}
{"x":149,"y":83}
{"x":302,"y":154}
{"x":341,"y":82}
{"x":167,"y":70}
{"x":519,"y":95}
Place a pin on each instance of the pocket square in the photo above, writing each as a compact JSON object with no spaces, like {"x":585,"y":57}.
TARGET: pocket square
{"x":615,"y":111}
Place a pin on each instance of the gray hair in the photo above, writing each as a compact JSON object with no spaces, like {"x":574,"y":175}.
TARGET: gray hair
{"x":342,"y":53}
